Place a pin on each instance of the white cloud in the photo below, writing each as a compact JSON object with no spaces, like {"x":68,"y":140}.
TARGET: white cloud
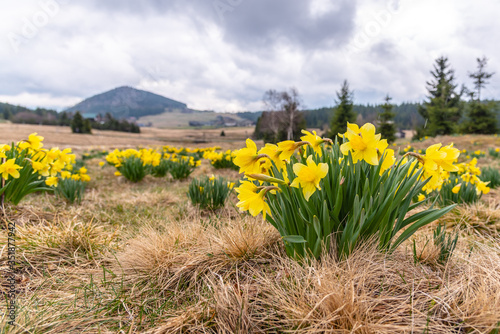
{"x":39,"y":100}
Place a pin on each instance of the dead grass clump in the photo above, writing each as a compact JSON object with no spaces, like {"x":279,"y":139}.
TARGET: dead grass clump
{"x":477,"y":218}
{"x":425,"y":250}
{"x":65,"y":243}
{"x":368,"y":293}
{"x":176,"y":259}
{"x":470,"y":298}
{"x":27,"y":214}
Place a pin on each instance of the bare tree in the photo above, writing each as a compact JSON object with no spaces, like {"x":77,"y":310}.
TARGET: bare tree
{"x":281,"y":118}
{"x":290,"y":103}
{"x":272,"y":104}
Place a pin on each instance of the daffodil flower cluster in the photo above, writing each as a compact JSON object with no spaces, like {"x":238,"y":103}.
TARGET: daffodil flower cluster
{"x":71,"y":185}
{"x":197,"y":153}
{"x":494,"y":152}
{"x":221,"y":159}
{"x":28,"y":167}
{"x":136,"y":164}
{"x":147,"y":156}
{"x":469,"y":173}
{"x":356,"y":190}
{"x":209,"y":192}
{"x":478,"y":154}
{"x":408,"y":148}
{"x":259,"y":164}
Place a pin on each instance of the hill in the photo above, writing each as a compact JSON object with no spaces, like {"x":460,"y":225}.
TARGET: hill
{"x":177,"y":119}
{"x":125,"y":102}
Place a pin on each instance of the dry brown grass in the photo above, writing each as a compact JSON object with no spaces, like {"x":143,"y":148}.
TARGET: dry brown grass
{"x":368,"y":293}
{"x":62,"y":137}
{"x":138,"y":258}
{"x":188,"y":250}
{"x":477,"y":218}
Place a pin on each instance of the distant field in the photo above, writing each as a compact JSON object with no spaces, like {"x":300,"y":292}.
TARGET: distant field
{"x":62,"y":136}
{"x":181,"y":120}
{"x":142,"y":258}
{"x":234,"y":137}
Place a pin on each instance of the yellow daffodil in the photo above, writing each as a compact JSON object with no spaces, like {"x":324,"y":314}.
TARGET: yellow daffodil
{"x":435,"y":181}
{"x":34,"y":142}
{"x":37,"y":166}
{"x":248,"y":159}
{"x":388,"y":160}
{"x":65,"y":175}
{"x":9,"y":167}
{"x":421,"y":197}
{"x":52,"y":181}
{"x":432,"y":155}
{"x":456,"y":188}
{"x":363,"y":143}
{"x":252,"y":199}
{"x":308,"y":176}
{"x":274,"y":154}
{"x":101,"y":163}
{"x":482,"y":187}
{"x":53,"y":154}
{"x":314,"y":140}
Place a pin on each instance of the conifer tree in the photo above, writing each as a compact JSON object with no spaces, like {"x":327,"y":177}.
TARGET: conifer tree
{"x":444,"y":108}
{"x":79,"y":125}
{"x":481,"y":117}
{"x":480,"y":76}
{"x":386,"y":119}
{"x":343,"y":113}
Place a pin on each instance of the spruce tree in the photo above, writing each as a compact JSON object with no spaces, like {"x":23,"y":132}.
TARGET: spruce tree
{"x":343,"y":113}
{"x":79,"y":125}
{"x":386,"y":118}
{"x":444,"y":108}
{"x":87,"y":126}
{"x":481,"y":117}
{"x":480,"y":76}
{"x":64,"y":120}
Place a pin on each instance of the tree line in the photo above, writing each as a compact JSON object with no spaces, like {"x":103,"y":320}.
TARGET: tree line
{"x":78,"y":124}
{"x":446,"y":110}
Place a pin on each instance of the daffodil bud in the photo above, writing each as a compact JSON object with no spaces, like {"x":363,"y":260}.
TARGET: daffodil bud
{"x":266,"y":178}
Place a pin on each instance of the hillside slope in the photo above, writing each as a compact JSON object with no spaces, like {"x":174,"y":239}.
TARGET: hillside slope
{"x":124,"y":102}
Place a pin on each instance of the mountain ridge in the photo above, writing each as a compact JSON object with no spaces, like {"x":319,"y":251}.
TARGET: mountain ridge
{"x":125,"y":102}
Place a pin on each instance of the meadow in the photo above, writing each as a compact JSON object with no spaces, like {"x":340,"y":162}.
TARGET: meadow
{"x":142,"y":258}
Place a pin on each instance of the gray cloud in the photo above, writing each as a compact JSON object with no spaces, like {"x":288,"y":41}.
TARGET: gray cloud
{"x":263,"y":24}
{"x":223,"y":54}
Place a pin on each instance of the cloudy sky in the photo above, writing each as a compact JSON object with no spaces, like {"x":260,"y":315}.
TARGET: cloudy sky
{"x":224,"y":54}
